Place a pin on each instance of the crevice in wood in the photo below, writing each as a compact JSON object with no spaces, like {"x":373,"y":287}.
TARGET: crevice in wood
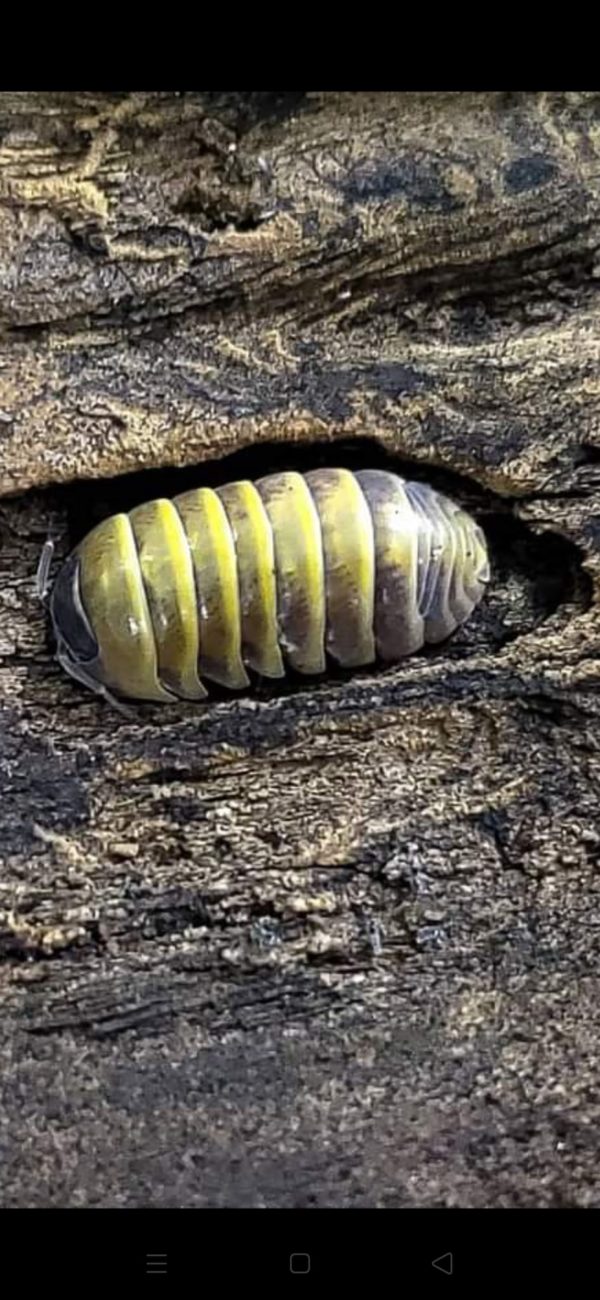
{"x":535,"y":573}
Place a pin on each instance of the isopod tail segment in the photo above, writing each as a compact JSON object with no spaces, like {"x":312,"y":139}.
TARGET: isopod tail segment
{"x":263,"y":577}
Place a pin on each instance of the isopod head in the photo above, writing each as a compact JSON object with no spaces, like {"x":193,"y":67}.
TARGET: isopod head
{"x":77,"y":649}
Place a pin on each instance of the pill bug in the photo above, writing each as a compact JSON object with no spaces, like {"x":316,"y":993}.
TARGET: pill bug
{"x":280,"y":573}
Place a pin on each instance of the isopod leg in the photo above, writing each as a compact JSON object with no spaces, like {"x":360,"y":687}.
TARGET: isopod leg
{"x":79,"y":674}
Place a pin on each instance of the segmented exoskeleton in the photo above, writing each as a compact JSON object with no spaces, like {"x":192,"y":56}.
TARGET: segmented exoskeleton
{"x":285,"y":571}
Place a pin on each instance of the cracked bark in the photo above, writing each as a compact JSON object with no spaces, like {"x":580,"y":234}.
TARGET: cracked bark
{"x":336,"y":944}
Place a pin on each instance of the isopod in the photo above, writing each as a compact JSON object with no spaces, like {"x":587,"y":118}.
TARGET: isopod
{"x":280,"y":573}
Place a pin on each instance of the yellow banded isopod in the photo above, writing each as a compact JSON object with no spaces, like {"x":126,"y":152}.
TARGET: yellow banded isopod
{"x":358,"y":566}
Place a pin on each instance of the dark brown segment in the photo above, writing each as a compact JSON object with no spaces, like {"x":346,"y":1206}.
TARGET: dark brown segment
{"x":477,"y":566}
{"x":398,"y":623}
{"x":436,"y":611}
{"x":425,"y":540}
{"x":424,"y":503}
{"x":459,"y":604}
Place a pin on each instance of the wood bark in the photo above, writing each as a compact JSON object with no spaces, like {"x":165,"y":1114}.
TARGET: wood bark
{"x":335,"y":943}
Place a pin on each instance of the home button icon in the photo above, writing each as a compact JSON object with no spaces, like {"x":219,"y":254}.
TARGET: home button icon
{"x":299,"y":1263}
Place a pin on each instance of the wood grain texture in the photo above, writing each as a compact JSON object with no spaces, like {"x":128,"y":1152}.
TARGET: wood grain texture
{"x":333,"y":943}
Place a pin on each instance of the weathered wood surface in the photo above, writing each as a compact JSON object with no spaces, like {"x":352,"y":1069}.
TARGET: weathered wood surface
{"x":337,"y":945}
